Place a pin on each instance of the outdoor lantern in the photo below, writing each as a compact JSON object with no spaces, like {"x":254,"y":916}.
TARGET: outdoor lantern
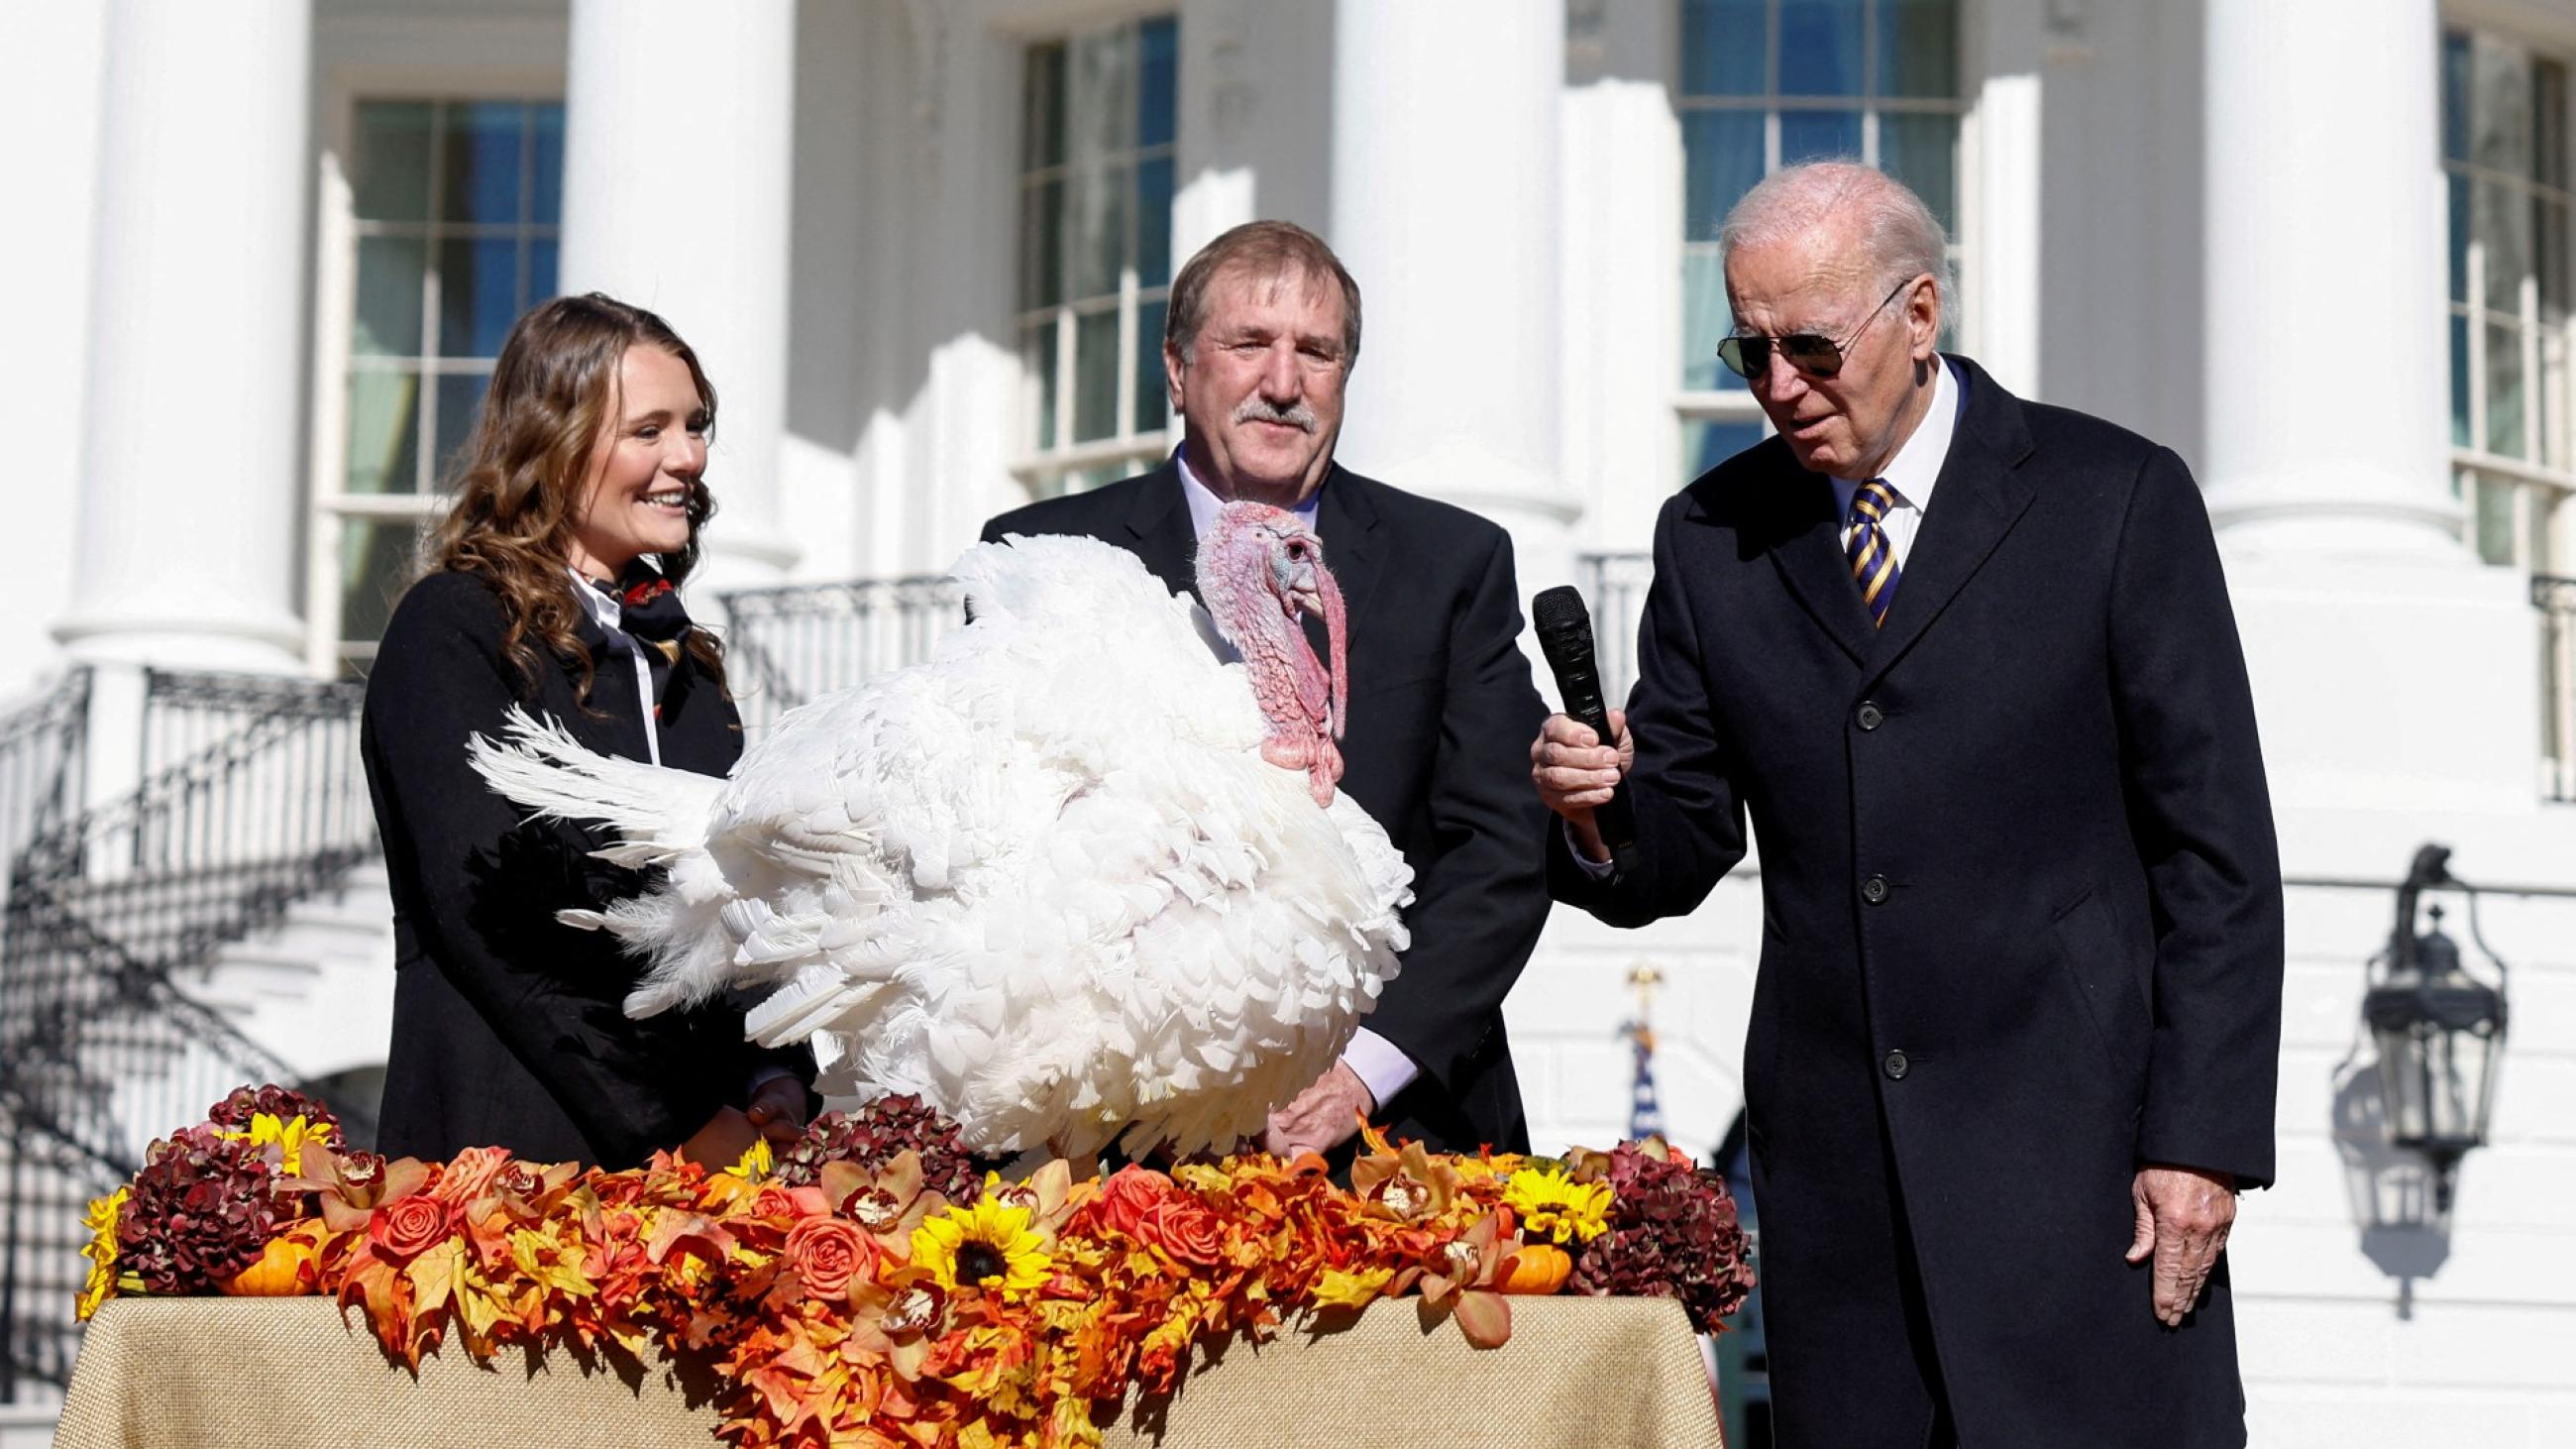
{"x":2440,"y":1031}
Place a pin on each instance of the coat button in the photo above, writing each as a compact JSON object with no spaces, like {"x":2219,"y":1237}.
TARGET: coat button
{"x":1869,"y":716}
{"x":1895,"y":1065}
{"x":1874,"y":889}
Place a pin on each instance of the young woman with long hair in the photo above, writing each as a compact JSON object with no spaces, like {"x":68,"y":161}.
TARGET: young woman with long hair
{"x":551,"y":585}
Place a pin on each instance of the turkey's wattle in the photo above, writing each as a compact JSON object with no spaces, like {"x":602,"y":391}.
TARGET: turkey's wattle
{"x":1054,"y":879}
{"x":1259,"y":569}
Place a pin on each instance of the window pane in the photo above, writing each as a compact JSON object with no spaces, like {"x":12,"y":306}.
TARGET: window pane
{"x":1153,"y":397}
{"x":1707,"y":442}
{"x":1041,"y":244}
{"x":389,"y":282}
{"x":1037,"y":354}
{"x":2549,"y":124}
{"x":541,"y":271}
{"x":2495,"y":521}
{"x":376,"y":564}
{"x":2555,"y":402}
{"x":2459,"y":381}
{"x":1097,"y":246}
{"x":1918,"y":48}
{"x":1722,"y":158}
{"x":2505,"y":391}
{"x":1101,"y":110}
{"x":1706,"y":319}
{"x":2455,"y":95}
{"x":389,"y":161}
{"x":1042,"y":119}
{"x":482,"y":161}
{"x":1722,"y":48}
{"x":1816,"y":135}
{"x":1158,"y":94}
{"x":1820,"y":47}
{"x":2500,"y":109}
{"x":2549,"y":256}
{"x":1154,"y":222}
{"x":2503,"y":227}
{"x":458,"y":398}
{"x":478,"y":291}
{"x":2458,"y":187}
{"x":384,"y":432}
{"x":545,"y":206}
{"x":1923,"y":152}
{"x":1095,"y":373}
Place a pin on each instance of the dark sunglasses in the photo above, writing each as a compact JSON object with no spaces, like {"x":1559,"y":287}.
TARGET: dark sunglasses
{"x":1813,"y":355}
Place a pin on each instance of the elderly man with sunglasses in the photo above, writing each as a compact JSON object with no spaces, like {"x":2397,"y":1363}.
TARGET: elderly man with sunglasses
{"x":1968,"y":665}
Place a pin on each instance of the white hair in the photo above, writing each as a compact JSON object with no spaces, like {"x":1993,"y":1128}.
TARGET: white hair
{"x":1899,"y":235}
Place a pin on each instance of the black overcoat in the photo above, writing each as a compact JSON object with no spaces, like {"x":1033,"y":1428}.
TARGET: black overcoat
{"x":2021,"y":920}
{"x":508,"y":1026}
{"x":1436,"y":750}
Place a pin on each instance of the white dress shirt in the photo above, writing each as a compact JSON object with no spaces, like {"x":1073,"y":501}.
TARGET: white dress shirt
{"x":1910,"y":475}
{"x":1381,"y":1065}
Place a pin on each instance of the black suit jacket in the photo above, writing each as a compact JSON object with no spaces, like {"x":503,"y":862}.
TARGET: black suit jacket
{"x":1436,"y":750}
{"x":2021,"y":919}
{"x":509,"y":1028}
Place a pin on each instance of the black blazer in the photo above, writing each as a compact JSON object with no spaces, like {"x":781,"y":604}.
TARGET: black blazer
{"x":508,"y":1026}
{"x":1442,"y":712}
{"x":2021,"y":919}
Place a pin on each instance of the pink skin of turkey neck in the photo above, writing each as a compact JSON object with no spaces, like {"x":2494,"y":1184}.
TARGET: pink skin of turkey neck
{"x":1258,"y":570}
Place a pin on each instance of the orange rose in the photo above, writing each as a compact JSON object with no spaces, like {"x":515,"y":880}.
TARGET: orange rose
{"x":828,"y":1253}
{"x":401,"y":1230}
{"x":1184,"y":1232}
{"x":773,"y":1202}
{"x":1130,"y":1193}
{"x":469,"y":1175}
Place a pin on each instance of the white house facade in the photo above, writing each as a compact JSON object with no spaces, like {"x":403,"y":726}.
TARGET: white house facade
{"x":263,"y":252}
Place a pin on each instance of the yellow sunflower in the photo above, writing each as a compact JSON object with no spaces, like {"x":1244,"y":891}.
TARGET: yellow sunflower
{"x":1554,"y":1205}
{"x":986,"y":1246}
{"x":101,"y":1251}
{"x":291,"y":1135}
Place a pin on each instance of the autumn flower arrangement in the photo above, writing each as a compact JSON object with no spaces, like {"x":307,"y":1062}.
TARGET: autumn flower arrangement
{"x":868,"y":1287}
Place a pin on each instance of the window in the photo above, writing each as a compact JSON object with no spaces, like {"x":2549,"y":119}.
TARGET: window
{"x":2505,"y":121}
{"x":451,"y":234}
{"x":1768,"y":83}
{"x":1099,"y":121}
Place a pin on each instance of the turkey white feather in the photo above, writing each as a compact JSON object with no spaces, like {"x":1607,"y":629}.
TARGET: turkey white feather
{"x":1070,"y":876}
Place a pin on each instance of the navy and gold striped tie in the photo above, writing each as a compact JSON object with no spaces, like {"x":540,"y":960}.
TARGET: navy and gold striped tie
{"x":1873,"y":556}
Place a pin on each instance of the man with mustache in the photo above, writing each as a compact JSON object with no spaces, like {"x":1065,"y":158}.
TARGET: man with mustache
{"x":1263,"y":327}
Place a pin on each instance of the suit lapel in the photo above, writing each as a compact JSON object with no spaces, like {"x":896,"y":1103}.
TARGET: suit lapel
{"x":1808,"y":550}
{"x":1983,"y":493}
{"x":1158,"y":530}
{"x":1346,"y":521}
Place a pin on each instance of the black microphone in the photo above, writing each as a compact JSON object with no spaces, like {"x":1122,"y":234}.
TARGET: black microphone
{"x":1565,"y":637}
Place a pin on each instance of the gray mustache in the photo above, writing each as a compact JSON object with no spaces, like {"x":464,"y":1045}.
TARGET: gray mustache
{"x":1256,"y":410}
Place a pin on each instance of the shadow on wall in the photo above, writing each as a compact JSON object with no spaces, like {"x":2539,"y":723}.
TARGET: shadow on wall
{"x":2390,"y":1191}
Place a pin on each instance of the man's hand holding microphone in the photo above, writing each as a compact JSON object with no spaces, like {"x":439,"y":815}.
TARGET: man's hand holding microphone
{"x":1577,"y":775}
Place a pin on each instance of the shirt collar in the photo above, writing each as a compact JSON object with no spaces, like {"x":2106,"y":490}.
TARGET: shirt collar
{"x":1917,"y":464}
{"x":599,"y":604}
{"x":1204,"y":503}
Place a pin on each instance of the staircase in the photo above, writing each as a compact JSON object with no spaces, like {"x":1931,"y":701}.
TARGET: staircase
{"x":152,"y":942}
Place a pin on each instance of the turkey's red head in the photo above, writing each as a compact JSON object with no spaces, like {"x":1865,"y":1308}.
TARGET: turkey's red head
{"x":1259,"y":571}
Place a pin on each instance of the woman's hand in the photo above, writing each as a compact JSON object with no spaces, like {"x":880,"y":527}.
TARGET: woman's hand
{"x":722,"y":1142}
{"x":777,"y":1110}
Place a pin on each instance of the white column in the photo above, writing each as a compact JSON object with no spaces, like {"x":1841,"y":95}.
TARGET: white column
{"x":2326,"y":375}
{"x":2003,"y":223}
{"x":678,"y":123}
{"x":2391,"y":671}
{"x":1445,"y":146}
{"x":185,"y":541}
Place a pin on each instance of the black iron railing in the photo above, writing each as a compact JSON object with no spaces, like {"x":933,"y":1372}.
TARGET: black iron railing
{"x":1614,"y":584}
{"x":784,"y":646}
{"x":258,"y":801}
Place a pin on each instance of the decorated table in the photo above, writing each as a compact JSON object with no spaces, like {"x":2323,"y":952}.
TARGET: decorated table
{"x":260,"y":1282}
{"x":285,"y":1373}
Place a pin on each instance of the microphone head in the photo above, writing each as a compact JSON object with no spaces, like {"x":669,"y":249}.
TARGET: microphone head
{"x":1559,"y":609}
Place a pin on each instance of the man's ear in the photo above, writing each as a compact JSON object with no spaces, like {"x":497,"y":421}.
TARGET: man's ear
{"x":1923,"y":317}
{"x":1172,"y":366}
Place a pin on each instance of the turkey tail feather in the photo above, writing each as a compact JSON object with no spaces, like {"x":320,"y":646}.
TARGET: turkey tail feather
{"x":660,"y":813}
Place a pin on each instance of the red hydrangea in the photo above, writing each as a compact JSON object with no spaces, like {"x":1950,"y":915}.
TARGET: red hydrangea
{"x":876,"y":1134}
{"x":233,"y":1113}
{"x":203,"y":1209}
{"x":1673,"y":1234}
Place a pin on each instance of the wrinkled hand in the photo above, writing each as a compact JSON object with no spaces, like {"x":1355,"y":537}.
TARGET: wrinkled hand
{"x":778,"y":1110}
{"x":2183,"y":1218}
{"x":1323,"y":1117}
{"x":1575,"y":772}
{"x":722,"y":1142}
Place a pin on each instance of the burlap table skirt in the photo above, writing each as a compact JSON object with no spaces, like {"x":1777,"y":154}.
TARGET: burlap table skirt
{"x":287,"y":1372}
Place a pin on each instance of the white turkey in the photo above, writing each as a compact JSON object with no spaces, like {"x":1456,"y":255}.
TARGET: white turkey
{"x":1069,"y":875}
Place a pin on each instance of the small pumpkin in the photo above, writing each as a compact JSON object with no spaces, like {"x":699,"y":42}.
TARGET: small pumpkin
{"x":288,"y":1267}
{"x":1540,"y":1268}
